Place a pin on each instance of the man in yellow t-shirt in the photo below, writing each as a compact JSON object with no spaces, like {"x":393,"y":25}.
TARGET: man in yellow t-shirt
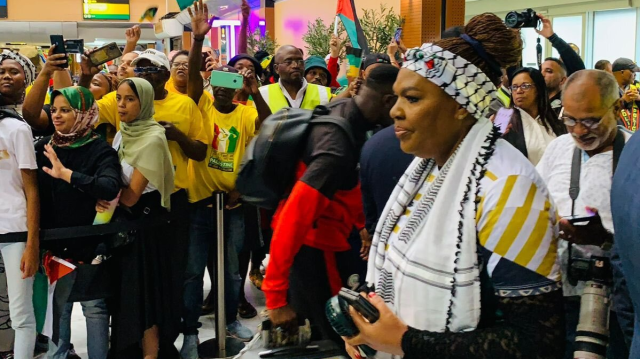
{"x":228,"y":132}
{"x":178,"y":114}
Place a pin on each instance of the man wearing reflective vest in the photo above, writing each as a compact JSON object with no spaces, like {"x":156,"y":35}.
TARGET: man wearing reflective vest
{"x":293,"y":90}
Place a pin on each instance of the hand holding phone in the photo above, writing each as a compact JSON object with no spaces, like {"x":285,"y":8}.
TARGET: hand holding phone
{"x":58,"y":41}
{"x":105,"y":54}
{"x":398,"y":34}
{"x":502,"y":119}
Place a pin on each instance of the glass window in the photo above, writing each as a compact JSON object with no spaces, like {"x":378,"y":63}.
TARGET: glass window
{"x":614,"y":35}
{"x":529,"y":38}
{"x":569,"y":28}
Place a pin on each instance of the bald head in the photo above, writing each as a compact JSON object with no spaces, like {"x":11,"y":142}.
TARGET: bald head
{"x":289,"y":65}
{"x":284,"y":50}
{"x":590,"y":95}
{"x":587,"y":81}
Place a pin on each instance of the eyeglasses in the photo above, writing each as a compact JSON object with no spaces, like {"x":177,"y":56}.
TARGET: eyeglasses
{"x":177,"y":65}
{"x":289,"y":62}
{"x":590,"y":123}
{"x":525,"y":87}
{"x":147,"y":70}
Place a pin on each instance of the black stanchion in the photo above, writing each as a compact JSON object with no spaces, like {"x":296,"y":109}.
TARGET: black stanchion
{"x":221,"y":346}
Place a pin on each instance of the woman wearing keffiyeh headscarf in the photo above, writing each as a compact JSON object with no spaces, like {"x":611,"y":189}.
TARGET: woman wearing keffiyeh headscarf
{"x":76,"y":169}
{"x":16,"y":73}
{"x":463,"y":260}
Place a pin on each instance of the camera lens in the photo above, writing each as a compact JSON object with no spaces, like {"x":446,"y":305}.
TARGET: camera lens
{"x":514,"y":20}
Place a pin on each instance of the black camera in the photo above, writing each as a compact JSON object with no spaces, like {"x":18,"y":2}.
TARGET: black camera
{"x":337,"y":310}
{"x":519,"y":20}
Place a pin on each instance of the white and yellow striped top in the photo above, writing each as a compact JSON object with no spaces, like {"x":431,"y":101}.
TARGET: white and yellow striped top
{"x":517,"y":225}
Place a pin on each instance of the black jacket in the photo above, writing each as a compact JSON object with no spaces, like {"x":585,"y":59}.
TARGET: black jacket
{"x":571,"y":60}
{"x":96,"y":175}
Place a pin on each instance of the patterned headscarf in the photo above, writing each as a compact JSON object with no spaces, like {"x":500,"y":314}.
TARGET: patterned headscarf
{"x":86,"y":111}
{"x":459,"y":78}
{"x":26,"y":64}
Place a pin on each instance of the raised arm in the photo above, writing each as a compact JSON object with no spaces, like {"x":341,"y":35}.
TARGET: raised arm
{"x":133,"y":36}
{"x":32,"y":107}
{"x":200,"y":26}
{"x":244,"y":27}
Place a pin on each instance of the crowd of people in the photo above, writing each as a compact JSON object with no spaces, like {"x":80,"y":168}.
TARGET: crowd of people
{"x":455,"y":229}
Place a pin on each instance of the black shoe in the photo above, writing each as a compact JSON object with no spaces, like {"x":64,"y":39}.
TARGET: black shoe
{"x":72,"y":353}
{"x":246,"y":310}
{"x":42,"y":344}
{"x":7,"y":355}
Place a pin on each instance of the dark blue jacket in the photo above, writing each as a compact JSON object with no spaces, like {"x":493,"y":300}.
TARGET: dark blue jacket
{"x":625,"y":207}
{"x":382,"y":163}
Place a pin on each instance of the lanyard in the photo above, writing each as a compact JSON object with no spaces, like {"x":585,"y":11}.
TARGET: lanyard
{"x":630,"y":123}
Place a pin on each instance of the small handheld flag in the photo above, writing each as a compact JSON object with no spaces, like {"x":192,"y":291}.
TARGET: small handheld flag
{"x":149,"y":15}
{"x":354,"y":56}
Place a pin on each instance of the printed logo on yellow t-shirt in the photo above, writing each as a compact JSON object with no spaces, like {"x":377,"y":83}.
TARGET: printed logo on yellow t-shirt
{"x":223,"y":148}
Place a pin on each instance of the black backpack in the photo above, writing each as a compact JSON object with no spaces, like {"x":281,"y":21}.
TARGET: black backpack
{"x":267,"y":172}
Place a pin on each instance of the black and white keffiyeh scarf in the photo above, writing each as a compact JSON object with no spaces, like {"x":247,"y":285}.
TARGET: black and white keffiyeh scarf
{"x":460,"y":79}
{"x":27,"y":66}
{"x":429,"y":272}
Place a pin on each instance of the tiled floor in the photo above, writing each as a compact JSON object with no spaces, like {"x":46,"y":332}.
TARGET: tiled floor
{"x":254,"y":296}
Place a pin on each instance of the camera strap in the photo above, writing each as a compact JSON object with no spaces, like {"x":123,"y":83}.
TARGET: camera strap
{"x":576,"y":164}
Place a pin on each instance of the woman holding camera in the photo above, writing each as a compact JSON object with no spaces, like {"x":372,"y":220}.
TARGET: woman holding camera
{"x":463,"y":259}
{"x":533,"y":124}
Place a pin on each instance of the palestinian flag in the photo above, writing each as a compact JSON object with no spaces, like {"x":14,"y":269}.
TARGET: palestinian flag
{"x":347,"y":14}
{"x":51,"y":293}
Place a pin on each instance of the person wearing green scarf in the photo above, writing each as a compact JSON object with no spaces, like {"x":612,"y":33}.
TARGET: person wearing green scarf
{"x":140,"y":317}
{"x":75,"y":169}
{"x":144,"y":145}
{"x":77,"y":114}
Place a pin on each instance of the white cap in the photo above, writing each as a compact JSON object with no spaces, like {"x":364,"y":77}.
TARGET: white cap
{"x":156,"y":57}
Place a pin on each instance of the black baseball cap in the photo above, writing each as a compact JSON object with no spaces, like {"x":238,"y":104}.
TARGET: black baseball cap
{"x":252,"y":59}
{"x":375,"y":58}
{"x":622,"y":64}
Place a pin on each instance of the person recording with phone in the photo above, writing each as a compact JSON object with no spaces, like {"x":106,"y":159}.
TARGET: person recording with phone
{"x":591,"y":104}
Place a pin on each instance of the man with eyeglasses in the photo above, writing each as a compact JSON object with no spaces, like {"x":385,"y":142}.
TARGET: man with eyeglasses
{"x":293,"y":90}
{"x":590,"y":102}
{"x":625,"y":72}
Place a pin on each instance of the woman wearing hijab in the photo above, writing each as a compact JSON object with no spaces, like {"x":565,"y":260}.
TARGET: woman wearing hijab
{"x":464,"y":258}
{"x":76,"y":168}
{"x":144,"y":312}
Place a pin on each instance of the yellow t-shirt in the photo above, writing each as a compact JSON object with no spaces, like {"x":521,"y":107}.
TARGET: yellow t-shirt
{"x":47,"y":97}
{"x":179,"y":110}
{"x":227,"y":138}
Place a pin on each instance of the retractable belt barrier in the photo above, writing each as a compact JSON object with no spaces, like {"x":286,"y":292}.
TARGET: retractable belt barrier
{"x":98,"y":229}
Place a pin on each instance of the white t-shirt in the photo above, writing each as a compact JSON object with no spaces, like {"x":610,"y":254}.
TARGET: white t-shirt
{"x":595,"y":192}
{"x":16,"y":153}
{"x":127,"y":170}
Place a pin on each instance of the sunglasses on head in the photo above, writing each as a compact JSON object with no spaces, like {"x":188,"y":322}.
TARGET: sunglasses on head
{"x":147,"y":70}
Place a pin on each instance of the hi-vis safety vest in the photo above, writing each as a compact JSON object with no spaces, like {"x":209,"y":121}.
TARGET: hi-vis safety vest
{"x":314,"y":95}
{"x":504,"y":97}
